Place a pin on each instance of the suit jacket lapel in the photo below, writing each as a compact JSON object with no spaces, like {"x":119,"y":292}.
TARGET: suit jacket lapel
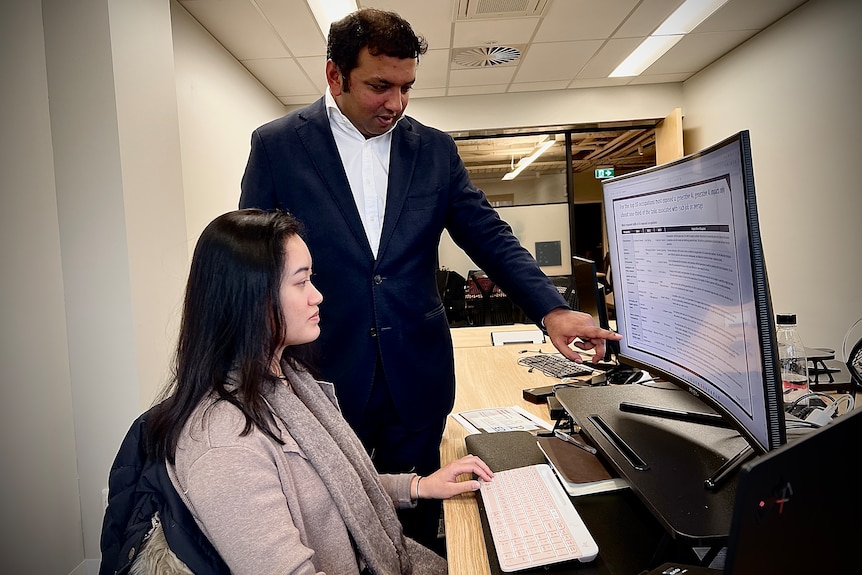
{"x":402,"y":164}
{"x":316,"y":135}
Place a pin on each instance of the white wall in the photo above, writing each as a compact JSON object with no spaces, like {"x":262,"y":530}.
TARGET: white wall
{"x":220,"y":104}
{"x":795,"y":88}
{"x":459,"y":113}
{"x":547,"y":189}
{"x":94,"y":259}
{"x":122,"y":226}
{"x":530,"y":224}
{"x":39,"y":478}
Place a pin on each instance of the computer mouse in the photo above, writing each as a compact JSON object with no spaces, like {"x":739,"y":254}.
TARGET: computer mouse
{"x":623,"y":375}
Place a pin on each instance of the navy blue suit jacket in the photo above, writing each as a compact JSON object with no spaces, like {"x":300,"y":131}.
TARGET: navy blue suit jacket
{"x":388,"y":306}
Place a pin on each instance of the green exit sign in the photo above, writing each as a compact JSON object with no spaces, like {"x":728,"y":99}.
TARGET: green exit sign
{"x":603,"y":173}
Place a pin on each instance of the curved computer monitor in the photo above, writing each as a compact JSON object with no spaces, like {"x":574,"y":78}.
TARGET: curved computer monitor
{"x":690,"y":289}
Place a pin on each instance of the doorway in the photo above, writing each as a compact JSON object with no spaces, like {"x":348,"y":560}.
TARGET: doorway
{"x":588,"y":231}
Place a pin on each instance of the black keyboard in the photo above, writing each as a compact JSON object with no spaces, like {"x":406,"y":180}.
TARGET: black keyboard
{"x":556,"y":365}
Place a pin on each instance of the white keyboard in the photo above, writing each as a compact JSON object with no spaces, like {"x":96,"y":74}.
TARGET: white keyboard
{"x":533,"y":522}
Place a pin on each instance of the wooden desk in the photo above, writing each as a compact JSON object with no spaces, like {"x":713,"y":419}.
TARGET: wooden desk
{"x":480,"y":336}
{"x":486,"y":376}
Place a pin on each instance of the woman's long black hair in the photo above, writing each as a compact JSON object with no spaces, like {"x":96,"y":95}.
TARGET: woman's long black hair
{"x":232,"y":323}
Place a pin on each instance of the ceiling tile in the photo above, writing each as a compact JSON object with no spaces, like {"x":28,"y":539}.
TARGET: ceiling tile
{"x":742,"y":15}
{"x":427,"y":93}
{"x":481,"y":76}
{"x":608,"y":58}
{"x":659,"y":78}
{"x":295,"y":23}
{"x":538,"y":86}
{"x":646,"y":18}
{"x":582,"y":19}
{"x":283,"y":76}
{"x":556,"y":60}
{"x":430,"y":18}
{"x":433,"y":69}
{"x":499,"y":31}
{"x":598,"y":82}
{"x":239,"y":27}
{"x":315,"y":69}
{"x":697,"y":51}
{"x":472,"y":90}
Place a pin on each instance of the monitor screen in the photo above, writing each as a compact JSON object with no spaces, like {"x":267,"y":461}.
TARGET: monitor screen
{"x":690,"y":290}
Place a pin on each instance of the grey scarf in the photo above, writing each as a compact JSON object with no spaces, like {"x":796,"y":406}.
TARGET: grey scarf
{"x":335,"y":451}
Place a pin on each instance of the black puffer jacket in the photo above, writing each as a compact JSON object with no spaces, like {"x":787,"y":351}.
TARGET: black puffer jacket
{"x":139,"y":487}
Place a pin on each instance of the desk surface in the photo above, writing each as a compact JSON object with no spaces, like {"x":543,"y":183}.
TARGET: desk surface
{"x":485,"y":376}
{"x":488,"y":376}
{"x":491,"y":377}
{"x":481,"y":336}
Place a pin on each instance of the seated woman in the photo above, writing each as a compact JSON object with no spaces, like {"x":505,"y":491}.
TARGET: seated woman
{"x":256,"y":446}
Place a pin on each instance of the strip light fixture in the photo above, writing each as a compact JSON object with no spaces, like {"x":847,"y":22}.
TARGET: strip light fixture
{"x":540,"y":149}
{"x":683,"y":20}
{"x":328,"y":11}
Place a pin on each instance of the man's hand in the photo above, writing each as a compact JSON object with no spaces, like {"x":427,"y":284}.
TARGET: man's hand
{"x":567,"y":327}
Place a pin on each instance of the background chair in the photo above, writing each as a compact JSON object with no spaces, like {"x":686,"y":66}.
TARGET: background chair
{"x":452,"y":286}
{"x":566,"y":286}
{"x":486,"y":304}
{"x":853,"y":356}
{"x":607,"y":280}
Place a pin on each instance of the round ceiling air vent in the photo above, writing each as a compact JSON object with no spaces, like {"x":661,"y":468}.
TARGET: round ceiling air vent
{"x":485,"y":56}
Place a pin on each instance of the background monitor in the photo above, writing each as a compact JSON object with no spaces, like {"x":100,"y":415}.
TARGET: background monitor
{"x":590,"y":295}
{"x":691,"y":294}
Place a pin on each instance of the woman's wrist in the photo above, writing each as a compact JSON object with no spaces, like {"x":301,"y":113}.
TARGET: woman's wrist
{"x":415,"y":491}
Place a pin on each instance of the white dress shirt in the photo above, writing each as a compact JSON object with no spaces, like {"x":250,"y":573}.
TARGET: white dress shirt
{"x":366,"y":163}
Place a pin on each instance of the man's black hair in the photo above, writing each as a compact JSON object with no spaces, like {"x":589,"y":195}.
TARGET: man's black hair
{"x":383,"y":33}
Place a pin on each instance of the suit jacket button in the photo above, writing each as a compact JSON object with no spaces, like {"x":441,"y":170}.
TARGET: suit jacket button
{"x":377,"y":280}
{"x":372,"y":332}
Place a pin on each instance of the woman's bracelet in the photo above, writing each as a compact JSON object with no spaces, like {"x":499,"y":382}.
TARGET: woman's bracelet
{"x":417,"y":487}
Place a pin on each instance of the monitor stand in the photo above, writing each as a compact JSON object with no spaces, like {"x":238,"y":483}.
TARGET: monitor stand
{"x":715,"y":480}
{"x":674,"y":457}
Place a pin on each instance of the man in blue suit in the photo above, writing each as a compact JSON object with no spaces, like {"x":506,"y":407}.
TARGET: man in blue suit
{"x":375,"y":190}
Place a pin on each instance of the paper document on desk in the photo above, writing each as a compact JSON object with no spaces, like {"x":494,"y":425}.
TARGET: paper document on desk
{"x":496,"y":419}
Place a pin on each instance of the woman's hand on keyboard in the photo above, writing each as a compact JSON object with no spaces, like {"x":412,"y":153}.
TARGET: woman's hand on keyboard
{"x":443,"y":483}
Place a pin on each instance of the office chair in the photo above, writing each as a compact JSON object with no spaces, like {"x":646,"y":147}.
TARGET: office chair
{"x":489,"y":305}
{"x":608,"y":282}
{"x":452,"y":286}
{"x":853,"y":358}
{"x":566,"y":286}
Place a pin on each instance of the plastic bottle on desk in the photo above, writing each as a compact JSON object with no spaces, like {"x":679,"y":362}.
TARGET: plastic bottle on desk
{"x":791,"y":353}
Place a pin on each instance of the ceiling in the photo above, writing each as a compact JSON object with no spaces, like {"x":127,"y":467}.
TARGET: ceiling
{"x":498,"y":46}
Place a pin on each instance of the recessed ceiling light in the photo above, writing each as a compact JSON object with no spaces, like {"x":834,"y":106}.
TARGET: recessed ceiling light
{"x":683,"y":20}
